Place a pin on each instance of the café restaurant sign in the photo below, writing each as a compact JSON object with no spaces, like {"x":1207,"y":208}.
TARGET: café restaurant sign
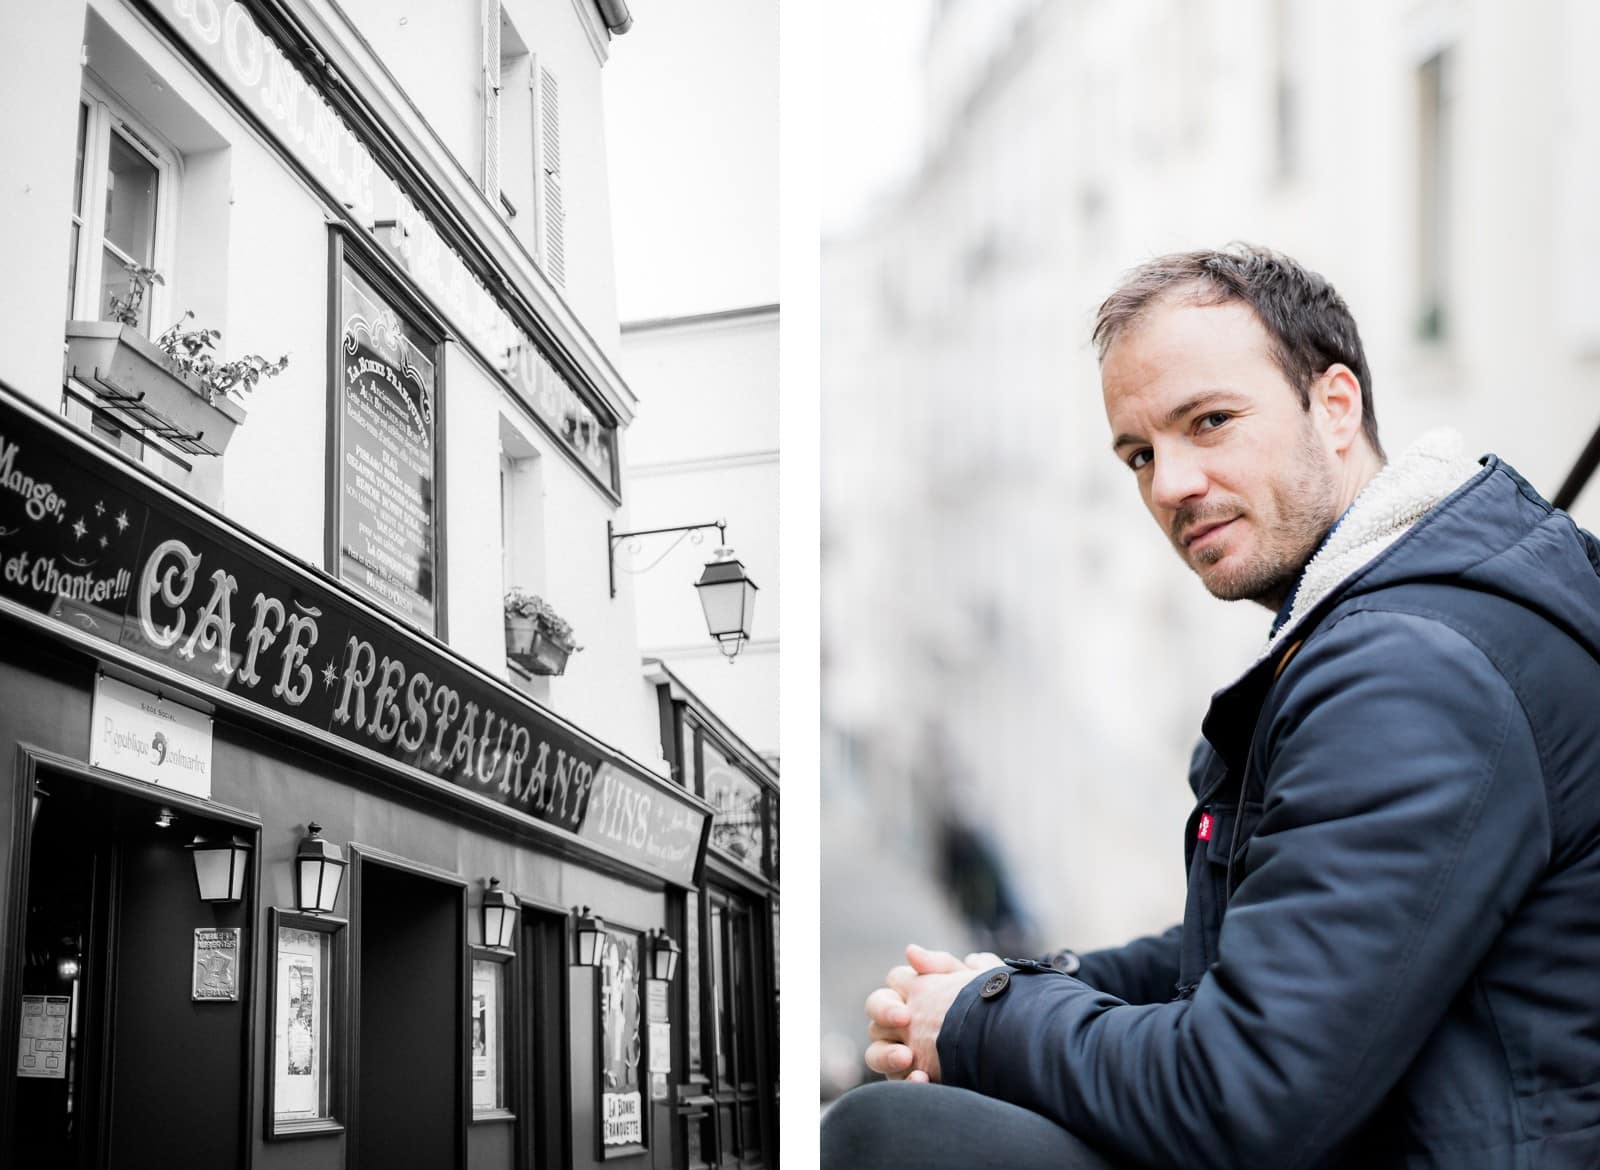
{"x":92,"y":546}
{"x":251,"y":65}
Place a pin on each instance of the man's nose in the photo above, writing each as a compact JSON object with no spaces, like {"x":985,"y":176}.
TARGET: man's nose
{"x":1178,"y":475}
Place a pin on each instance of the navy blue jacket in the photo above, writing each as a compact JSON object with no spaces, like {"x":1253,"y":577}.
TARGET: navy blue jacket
{"x":1390,"y":954}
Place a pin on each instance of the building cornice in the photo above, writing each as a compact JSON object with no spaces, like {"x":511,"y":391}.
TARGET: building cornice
{"x":765,"y":458}
{"x":692,"y":320}
{"x":594,"y":27}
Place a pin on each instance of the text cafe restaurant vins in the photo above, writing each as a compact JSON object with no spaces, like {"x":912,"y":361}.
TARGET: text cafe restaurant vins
{"x":285,"y":880}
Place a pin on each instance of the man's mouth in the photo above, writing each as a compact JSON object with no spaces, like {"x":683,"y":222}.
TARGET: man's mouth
{"x":1200,"y":534}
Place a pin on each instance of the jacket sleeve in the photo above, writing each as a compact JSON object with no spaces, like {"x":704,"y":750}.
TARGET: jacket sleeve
{"x":1142,"y":971}
{"x":1404,"y":819}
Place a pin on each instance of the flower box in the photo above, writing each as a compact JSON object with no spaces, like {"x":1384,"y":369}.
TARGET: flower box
{"x":547,"y":656}
{"x":538,"y":639}
{"x":132,"y":377}
{"x":534,"y":650}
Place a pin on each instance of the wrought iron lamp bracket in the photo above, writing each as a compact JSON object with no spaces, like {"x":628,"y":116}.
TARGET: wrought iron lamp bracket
{"x":614,"y":538}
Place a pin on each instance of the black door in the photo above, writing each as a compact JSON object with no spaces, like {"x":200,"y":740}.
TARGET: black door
{"x":546,"y":1136}
{"x":740,"y":1026}
{"x":410,"y":1042}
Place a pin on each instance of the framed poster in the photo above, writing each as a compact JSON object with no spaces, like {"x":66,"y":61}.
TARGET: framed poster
{"x":487,"y":1035}
{"x":384,"y":444}
{"x":43,"y":1051}
{"x":622,"y":1048}
{"x":307,"y":974}
{"x":216,"y":964}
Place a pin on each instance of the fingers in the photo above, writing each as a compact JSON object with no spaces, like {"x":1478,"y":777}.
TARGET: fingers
{"x":900,"y":980}
{"x":927,"y":962}
{"x":887,"y":1009}
{"x":891,"y":1060}
{"x":983,"y":960}
{"x":917,"y":1077}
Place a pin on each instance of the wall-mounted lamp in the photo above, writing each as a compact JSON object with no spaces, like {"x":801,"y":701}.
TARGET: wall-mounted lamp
{"x":664,"y":951}
{"x":220,"y":868}
{"x":727,"y":594}
{"x":319,"y":871}
{"x":591,"y":937}
{"x":499,"y":916}
{"x":729,"y":598}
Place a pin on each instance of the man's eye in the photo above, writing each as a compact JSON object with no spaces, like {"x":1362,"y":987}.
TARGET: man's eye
{"x":1139,"y":458}
{"x":1214,"y":420}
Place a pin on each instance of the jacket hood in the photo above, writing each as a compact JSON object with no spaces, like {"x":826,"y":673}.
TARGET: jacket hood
{"x":1437,"y":515}
{"x":1490,"y":531}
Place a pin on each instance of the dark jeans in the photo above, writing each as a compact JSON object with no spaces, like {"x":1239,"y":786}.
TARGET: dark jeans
{"x":892,"y":1125}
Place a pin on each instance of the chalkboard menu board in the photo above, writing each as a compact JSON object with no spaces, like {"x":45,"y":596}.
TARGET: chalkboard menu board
{"x":386,"y":423}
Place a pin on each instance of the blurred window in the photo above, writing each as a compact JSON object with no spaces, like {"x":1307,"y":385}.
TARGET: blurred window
{"x":1434,"y":202}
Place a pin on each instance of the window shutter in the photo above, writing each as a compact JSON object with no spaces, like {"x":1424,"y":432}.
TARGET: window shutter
{"x":553,"y":216}
{"x":491,"y":99}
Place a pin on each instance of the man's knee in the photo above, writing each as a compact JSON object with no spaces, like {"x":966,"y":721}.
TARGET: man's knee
{"x":860,"y":1125}
{"x":864,"y":1127}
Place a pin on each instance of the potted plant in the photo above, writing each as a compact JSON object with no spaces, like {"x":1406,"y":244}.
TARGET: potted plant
{"x":537,"y":637}
{"x":177,"y":377}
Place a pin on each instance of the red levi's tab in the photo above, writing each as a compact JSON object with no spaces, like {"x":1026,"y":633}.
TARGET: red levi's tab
{"x":1203,"y":833}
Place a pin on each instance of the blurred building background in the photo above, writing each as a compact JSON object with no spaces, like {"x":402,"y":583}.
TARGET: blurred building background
{"x":1014,"y":663}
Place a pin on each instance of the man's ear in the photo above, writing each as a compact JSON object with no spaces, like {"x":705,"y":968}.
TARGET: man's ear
{"x":1336,"y":401}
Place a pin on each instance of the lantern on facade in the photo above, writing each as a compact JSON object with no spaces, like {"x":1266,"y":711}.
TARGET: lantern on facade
{"x":220,"y":868}
{"x":728,"y":597}
{"x":591,"y":937}
{"x":664,"y":951}
{"x":499,"y":915}
{"x":319,"y":872}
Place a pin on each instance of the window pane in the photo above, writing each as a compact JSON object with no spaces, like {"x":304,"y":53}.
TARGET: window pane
{"x":691,"y":961}
{"x":722,"y":1022}
{"x":72,"y":271}
{"x":737,"y":826}
{"x":114,"y":285}
{"x":131,"y":183}
{"x":77,"y":180}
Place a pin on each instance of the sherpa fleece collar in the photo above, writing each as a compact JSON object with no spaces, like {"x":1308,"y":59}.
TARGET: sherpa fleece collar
{"x":1395,"y":499}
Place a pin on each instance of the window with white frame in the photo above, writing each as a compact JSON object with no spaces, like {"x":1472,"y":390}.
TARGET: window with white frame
{"x":522,"y":141}
{"x":124,"y":200}
{"x":125,"y":193}
{"x":522,"y":525}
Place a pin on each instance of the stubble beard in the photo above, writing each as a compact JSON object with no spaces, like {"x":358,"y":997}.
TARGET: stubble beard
{"x":1305,"y":507}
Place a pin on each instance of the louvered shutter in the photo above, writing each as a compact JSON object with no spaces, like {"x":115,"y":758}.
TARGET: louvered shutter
{"x":491,"y":99}
{"x":552,"y":214}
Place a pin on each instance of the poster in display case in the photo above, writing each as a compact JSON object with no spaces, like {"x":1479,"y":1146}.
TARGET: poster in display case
{"x":307,"y":963}
{"x":486,"y":1013}
{"x":621,"y":1035}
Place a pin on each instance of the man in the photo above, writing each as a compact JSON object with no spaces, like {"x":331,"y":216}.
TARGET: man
{"x":1390,"y":953}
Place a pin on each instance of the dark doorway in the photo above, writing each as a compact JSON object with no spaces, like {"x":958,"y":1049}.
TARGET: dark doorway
{"x":546,"y":1140}
{"x":126,"y":1068}
{"x":410,"y":1046}
{"x":744,"y":1048}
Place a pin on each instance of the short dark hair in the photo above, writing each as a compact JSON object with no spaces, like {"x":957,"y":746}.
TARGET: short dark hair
{"x":1310,"y":325}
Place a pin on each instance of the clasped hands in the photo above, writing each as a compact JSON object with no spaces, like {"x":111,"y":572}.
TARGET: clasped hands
{"x":905,"y":1016}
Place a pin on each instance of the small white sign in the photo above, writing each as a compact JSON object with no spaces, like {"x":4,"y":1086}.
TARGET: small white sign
{"x":624,"y":1119}
{"x":145,"y":737}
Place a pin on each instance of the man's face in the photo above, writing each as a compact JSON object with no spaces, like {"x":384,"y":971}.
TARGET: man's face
{"x":1237,"y":474}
